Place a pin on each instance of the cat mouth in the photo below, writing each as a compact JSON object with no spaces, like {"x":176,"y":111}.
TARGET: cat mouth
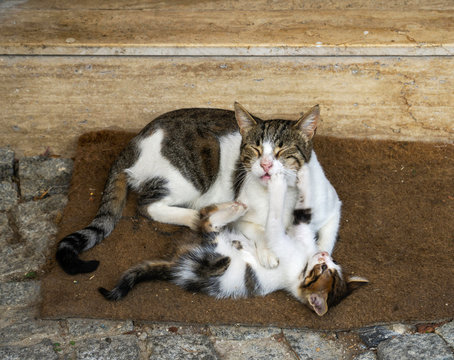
{"x":265,"y":177}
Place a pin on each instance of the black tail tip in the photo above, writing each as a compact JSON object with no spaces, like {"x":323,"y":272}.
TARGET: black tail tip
{"x":72,"y":265}
{"x":104,"y":292}
{"x":80,"y":267}
{"x":88,"y":266}
{"x":110,"y":295}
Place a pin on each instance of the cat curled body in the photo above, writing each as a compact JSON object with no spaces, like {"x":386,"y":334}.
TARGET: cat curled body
{"x":187,"y":159}
{"x":226,"y":265}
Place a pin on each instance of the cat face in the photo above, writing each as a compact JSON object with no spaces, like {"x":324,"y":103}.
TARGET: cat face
{"x":274,"y":146}
{"x":322,"y":284}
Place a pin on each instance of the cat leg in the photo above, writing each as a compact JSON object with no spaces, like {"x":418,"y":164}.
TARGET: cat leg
{"x":214,"y":217}
{"x":155,"y":201}
{"x":303,"y":212}
{"x":160,"y":211}
{"x":327,"y":234}
{"x":274,"y":228}
{"x":277,"y":189}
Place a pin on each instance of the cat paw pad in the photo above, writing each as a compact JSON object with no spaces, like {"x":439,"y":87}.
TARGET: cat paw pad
{"x":239,"y":207}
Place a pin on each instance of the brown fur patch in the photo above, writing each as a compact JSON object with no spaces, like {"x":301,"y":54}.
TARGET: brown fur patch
{"x":205,"y":225}
{"x":208,"y":210}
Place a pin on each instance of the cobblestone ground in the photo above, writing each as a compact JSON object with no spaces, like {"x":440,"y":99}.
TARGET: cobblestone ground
{"x":32,"y":197}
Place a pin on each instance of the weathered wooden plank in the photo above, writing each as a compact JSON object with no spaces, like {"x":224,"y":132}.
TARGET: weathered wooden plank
{"x":49,"y":101}
{"x":218,"y":32}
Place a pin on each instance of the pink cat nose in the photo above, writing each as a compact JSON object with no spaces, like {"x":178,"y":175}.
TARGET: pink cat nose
{"x":324,"y":253}
{"x":266,"y":165}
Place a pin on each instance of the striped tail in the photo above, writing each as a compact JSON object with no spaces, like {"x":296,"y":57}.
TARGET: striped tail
{"x":109,"y":212}
{"x":145,"y":271}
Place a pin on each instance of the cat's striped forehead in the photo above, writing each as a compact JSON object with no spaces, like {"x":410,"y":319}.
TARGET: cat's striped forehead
{"x":276,"y":132}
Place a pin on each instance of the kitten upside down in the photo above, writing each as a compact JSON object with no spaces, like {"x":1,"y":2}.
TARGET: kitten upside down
{"x":226,"y":264}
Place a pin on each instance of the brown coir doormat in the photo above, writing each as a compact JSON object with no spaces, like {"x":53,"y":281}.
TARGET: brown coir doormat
{"x":397,"y":230}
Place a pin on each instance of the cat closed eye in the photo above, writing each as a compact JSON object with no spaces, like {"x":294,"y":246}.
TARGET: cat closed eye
{"x":257,"y":150}
{"x":278,"y":153}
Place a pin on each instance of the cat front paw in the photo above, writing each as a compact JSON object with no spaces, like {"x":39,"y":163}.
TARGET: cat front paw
{"x":267,"y":258}
{"x":277,"y":185}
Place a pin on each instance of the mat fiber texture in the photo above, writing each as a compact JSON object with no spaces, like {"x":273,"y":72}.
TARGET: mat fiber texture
{"x":397,"y":229}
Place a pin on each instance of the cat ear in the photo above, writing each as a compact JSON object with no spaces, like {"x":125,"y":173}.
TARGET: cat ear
{"x":309,"y":121}
{"x":244,"y":119}
{"x":318,"y":303}
{"x":354,"y":282}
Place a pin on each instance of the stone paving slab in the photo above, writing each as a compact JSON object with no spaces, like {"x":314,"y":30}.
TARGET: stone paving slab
{"x":369,"y":355}
{"x":8,"y":195}
{"x":375,"y":335}
{"x":28,"y":331}
{"x":27,"y":249}
{"x":6,"y":233}
{"x":43,"y":175}
{"x":181,"y":347}
{"x":312,"y":345}
{"x":19,"y":293}
{"x":414,"y":347}
{"x":243,"y":332}
{"x":124,"y":347}
{"x":28,"y":227}
{"x":89,"y":327}
{"x":262,"y":349}
{"x":447,"y":333}
{"x":6,"y":164}
{"x":43,"y":350}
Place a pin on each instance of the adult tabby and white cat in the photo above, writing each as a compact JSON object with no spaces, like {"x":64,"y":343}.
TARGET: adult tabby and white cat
{"x":225,"y":264}
{"x":187,"y":159}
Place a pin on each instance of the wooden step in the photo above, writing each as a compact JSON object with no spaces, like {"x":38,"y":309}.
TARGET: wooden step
{"x":230,"y":28}
{"x":377,"y":71}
